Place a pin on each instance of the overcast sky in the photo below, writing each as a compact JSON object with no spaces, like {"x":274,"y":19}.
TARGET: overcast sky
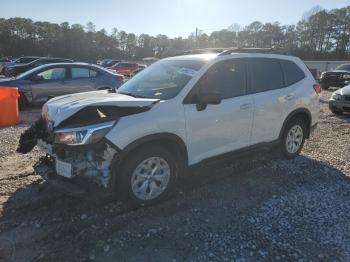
{"x":173,"y":18}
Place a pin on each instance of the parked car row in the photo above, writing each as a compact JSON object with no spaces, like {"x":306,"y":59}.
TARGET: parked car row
{"x":121,"y":67}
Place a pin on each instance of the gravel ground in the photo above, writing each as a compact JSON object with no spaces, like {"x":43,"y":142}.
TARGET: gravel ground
{"x":253,"y":208}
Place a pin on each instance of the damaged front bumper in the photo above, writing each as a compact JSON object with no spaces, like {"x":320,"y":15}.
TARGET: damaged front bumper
{"x":77,"y":169}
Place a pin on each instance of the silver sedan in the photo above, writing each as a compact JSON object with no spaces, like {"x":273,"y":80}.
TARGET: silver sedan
{"x":44,"y":82}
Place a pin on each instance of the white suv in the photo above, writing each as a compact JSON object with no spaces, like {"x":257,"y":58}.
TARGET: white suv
{"x":177,"y":113}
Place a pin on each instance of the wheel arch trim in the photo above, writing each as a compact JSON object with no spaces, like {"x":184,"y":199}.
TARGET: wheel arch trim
{"x":293,"y":114}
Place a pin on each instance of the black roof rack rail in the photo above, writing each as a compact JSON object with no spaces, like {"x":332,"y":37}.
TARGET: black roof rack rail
{"x":254,"y":51}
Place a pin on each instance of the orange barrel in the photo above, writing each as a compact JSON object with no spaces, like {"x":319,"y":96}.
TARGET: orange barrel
{"x":9,"y":114}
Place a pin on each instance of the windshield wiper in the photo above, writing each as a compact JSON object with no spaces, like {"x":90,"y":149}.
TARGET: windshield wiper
{"x":131,"y":94}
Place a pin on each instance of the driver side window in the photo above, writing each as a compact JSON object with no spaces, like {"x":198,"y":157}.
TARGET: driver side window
{"x":53,"y":74}
{"x":226,"y":78}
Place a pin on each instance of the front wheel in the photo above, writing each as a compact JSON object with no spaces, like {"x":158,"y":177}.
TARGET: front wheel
{"x":293,"y":138}
{"x":148,"y":176}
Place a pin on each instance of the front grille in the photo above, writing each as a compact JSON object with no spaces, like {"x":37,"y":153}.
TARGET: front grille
{"x":332,"y":76}
{"x":347,"y":98}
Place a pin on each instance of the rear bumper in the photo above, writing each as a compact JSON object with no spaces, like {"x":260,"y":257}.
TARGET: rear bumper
{"x":339,"y":105}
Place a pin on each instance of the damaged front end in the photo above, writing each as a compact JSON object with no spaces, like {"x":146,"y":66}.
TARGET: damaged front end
{"x":77,"y":151}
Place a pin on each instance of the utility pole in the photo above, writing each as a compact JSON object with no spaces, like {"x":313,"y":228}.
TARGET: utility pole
{"x":196,"y":36}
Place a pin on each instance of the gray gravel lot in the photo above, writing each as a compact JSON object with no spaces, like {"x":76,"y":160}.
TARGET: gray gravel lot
{"x":253,"y":208}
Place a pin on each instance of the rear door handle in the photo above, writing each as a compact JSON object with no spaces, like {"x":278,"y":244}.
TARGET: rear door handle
{"x":245,"y":106}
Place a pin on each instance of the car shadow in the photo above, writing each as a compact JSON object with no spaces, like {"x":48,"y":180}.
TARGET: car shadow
{"x":39,"y":223}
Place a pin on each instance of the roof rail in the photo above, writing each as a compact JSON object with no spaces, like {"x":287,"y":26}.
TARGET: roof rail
{"x":254,"y":51}
{"x":214,"y":50}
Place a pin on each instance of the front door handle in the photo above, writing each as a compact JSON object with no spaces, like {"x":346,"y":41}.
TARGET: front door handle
{"x":245,"y":106}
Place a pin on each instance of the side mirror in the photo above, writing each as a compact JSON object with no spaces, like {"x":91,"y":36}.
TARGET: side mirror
{"x":203,"y":99}
{"x":36,"y":78}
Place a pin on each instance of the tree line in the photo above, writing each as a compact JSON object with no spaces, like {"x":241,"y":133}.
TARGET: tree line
{"x":320,"y":35}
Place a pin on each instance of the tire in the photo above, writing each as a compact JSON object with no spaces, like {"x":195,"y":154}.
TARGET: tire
{"x":138,"y":167}
{"x":22,"y":102}
{"x":335,"y":111}
{"x":293,"y":138}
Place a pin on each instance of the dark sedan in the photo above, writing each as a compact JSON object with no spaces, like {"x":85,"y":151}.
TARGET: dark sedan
{"x":19,"y":61}
{"x":44,"y":82}
{"x":337,"y":78}
{"x":15,"y":70}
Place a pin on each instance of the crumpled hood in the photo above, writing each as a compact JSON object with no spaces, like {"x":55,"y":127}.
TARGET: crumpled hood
{"x":60,"y":108}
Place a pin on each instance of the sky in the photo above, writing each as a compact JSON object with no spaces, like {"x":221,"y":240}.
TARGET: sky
{"x":173,"y":18}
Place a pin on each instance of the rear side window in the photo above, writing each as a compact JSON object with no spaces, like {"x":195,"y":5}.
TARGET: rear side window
{"x":227,"y":78}
{"x":292,"y":72}
{"x":82,"y":72}
{"x":266,"y":74}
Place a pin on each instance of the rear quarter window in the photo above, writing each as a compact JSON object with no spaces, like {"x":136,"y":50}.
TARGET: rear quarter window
{"x":292,"y":72}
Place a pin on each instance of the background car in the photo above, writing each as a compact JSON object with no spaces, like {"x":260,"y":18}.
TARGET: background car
{"x":19,"y":61}
{"x":141,"y":67}
{"x":336,"y":78}
{"x":108,"y":62}
{"x":340,"y":101}
{"x":44,"y":82}
{"x":3,"y":62}
{"x":124,"y":68}
{"x":15,"y":69}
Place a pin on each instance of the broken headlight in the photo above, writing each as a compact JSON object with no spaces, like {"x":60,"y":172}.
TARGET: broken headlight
{"x":82,"y":135}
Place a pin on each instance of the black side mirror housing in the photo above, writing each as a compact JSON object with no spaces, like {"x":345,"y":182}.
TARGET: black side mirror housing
{"x":203,"y":99}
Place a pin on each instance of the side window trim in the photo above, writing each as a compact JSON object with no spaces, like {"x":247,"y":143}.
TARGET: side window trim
{"x":193,"y":91}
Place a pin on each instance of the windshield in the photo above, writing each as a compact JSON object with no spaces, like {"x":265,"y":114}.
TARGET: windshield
{"x":343,"y":67}
{"x":162,"y":80}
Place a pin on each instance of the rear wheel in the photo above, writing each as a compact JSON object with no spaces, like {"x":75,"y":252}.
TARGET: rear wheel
{"x":148,"y":176}
{"x":293,"y":138}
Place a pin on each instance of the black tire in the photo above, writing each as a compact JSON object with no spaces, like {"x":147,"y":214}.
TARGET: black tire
{"x":124,"y":181}
{"x":294,"y":122}
{"x":22,"y":102}
{"x":325,"y":87}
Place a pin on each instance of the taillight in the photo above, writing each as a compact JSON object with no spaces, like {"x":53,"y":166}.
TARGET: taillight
{"x":317,"y":88}
{"x":120,"y":78}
